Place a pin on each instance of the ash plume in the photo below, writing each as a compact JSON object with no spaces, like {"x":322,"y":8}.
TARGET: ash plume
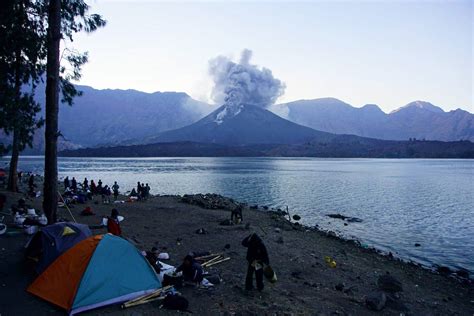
{"x":240,"y":83}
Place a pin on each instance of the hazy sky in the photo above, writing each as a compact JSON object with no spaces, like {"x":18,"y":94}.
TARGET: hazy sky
{"x":383,"y":52}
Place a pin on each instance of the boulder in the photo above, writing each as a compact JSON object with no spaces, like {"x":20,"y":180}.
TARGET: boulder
{"x":376,"y":301}
{"x":389,"y":284}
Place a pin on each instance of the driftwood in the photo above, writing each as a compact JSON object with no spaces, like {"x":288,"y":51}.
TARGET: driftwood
{"x":216,"y":262}
{"x":212,"y":260}
{"x":208,"y":256}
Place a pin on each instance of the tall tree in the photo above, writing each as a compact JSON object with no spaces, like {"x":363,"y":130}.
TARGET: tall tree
{"x":65,"y":18}
{"x":21,"y":53}
{"x":50,"y":201}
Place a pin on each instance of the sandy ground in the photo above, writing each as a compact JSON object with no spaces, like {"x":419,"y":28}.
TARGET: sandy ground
{"x":306,"y":284}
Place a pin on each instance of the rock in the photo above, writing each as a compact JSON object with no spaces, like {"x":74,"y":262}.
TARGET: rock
{"x":210,"y":201}
{"x":254,"y":207}
{"x":417,"y":245}
{"x":376,"y":301}
{"x":265,"y":207}
{"x":389,"y":284}
{"x":463,"y":273}
{"x":297,"y":274}
{"x":277,"y":230}
{"x":280,"y":240}
{"x":296,"y":217}
{"x":345,"y":218}
{"x":201,"y":231}
{"x":227,"y":246}
{"x":345,"y":224}
{"x":443,"y":270}
{"x":226,"y":222}
{"x":339,"y":287}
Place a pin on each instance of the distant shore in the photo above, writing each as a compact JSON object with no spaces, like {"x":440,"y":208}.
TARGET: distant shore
{"x":306,"y":285}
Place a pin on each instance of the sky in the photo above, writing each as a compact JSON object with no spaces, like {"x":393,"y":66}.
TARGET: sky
{"x":387,"y":53}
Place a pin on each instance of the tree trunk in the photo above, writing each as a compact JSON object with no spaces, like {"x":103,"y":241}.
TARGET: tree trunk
{"x":13,"y":173}
{"x":50,"y":201}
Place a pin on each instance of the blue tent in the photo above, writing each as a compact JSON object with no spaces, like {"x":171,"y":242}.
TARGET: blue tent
{"x":53,"y":240}
{"x":98,"y":271}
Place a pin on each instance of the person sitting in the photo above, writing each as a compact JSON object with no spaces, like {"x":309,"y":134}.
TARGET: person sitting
{"x":236,"y":215}
{"x":152,"y":257}
{"x":113,"y":223}
{"x":192,"y":271}
{"x":133,"y":193}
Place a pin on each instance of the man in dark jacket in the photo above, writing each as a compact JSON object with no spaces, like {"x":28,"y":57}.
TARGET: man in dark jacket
{"x":192,"y":271}
{"x":257,"y":256}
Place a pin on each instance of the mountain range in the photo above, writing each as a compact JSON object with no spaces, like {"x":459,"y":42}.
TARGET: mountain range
{"x":117,"y":117}
{"x":420,"y":120}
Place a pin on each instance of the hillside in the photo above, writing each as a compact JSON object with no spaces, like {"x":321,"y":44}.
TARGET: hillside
{"x":248,"y":125}
{"x":420,"y":120}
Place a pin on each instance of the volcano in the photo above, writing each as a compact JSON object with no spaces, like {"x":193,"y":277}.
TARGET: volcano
{"x":243,"y":125}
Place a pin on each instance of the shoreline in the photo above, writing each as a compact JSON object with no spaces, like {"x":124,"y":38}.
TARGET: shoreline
{"x":306,"y":284}
{"x":331,"y":233}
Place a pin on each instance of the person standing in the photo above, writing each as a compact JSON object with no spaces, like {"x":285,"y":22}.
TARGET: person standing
{"x":257,"y":257}
{"x":73,"y":184}
{"x":115,"y":188}
{"x":85,"y":184}
{"x":66,"y":182}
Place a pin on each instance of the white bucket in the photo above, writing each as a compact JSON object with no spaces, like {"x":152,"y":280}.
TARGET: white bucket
{"x":30,"y":230}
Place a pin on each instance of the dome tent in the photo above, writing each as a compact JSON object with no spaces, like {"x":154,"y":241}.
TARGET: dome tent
{"x":53,"y":240}
{"x":98,"y":271}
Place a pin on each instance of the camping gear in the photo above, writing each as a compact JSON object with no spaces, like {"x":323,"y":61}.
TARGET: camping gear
{"x":207,"y":265}
{"x":153,"y":296}
{"x":175,"y":302}
{"x":65,"y":204}
{"x":53,"y":240}
{"x":269,"y":274}
{"x":3,"y":229}
{"x":163,"y":256}
{"x":30,"y":230}
{"x":173,"y":279}
{"x":98,"y":271}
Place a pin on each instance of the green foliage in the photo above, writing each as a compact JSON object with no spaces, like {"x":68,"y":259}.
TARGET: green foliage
{"x":23,"y":42}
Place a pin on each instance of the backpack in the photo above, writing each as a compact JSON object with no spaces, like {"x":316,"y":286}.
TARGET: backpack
{"x":113,"y":227}
{"x":176,"y":302}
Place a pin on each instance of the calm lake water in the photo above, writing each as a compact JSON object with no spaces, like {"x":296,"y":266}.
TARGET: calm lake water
{"x":401,"y":202}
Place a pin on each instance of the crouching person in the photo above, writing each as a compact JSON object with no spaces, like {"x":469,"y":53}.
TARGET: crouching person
{"x":192,"y":271}
{"x":257,"y":257}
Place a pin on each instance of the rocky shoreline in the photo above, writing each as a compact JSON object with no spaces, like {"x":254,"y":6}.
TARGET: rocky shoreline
{"x":319,"y":273}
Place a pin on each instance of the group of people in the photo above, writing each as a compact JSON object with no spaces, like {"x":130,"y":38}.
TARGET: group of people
{"x":142,"y":192}
{"x":91,"y":188}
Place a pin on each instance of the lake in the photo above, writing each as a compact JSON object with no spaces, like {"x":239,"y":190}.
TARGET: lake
{"x":401,"y":202}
